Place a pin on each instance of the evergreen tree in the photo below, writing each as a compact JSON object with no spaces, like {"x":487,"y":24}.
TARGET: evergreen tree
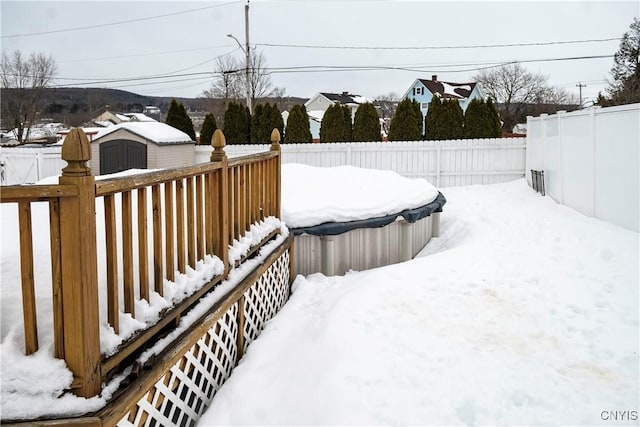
{"x":178,"y":118}
{"x":434,"y":118}
{"x":272,"y":120}
{"x":256,"y":121}
{"x":625,"y":87}
{"x":406,"y":123}
{"x":331,"y":127}
{"x":494,"y":118}
{"x":209,"y":126}
{"x":475,"y":120}
{"x":298,"y":128}
{"x":455,"y":129}
{"x":347,"y":125}
{"x":266,"y":117}
{"x":237,"y":124}
{"x":446,"y":121}
{"x":366,"y":123}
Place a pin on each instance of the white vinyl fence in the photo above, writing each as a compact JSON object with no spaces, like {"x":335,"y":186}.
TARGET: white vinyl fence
{"x":29,"y":164}
{"x":590,"y":160}
{"x":443,"y":163}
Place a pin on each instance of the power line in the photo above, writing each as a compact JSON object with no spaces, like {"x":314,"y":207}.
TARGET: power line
{"x":117,"y":23}
{"x":136,"y":55}
{"x":167,"y":74}
{"x":123,"y":80}
{"x":327,"y":68}
{"x":435,"y":47}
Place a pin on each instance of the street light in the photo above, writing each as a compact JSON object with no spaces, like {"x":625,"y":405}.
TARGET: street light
{"x":246,"y":51}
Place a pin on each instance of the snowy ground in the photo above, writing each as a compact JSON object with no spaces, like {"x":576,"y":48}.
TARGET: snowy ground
{"x":523,"y":312}
{"x":26,"y":393}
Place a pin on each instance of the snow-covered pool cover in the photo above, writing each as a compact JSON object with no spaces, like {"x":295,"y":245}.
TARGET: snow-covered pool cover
{"x":313,"y":195}
{"x":158,"y":132}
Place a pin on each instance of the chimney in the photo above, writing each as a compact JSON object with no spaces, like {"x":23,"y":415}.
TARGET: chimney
{"x":345,"y":93}
{"x":434,"y":77}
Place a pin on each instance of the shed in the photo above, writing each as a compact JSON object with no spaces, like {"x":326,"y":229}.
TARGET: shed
{"x":140,"y":145}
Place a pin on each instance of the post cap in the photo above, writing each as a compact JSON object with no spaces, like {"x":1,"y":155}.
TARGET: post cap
{"x":76,"y":151}
{"x":218,"y":140}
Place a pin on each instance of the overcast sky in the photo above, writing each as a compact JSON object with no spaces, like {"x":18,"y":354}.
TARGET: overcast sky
{"x":186,"y":41}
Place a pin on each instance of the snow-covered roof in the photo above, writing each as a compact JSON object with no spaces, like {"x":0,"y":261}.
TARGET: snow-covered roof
{"x":345,"y":98}
{"x":316,"y":115}
{"x":104,"y":123}
{"x":158,"y":132}
{"x":449,"y":89}
{"x":140,"y":117}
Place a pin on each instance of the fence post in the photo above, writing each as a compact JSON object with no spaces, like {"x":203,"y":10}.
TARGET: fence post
{"x":275,"y":146}
{"x":79,"y":267}
{"x":221,"y":245}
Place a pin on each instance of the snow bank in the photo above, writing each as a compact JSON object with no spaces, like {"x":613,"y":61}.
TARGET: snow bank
{"x":313,"y":195}
{"x":524,"y":313}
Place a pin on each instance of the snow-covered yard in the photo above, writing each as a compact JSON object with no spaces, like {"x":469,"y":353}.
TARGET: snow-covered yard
{"x":523,"y":312}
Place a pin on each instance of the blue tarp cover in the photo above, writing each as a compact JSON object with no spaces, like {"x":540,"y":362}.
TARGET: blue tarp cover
{"x":410,"y":215}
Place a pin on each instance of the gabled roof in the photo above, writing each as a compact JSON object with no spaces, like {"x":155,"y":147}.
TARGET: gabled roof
{"x":140,"y":117}
{"x":345,"y":98}
{"x":158,"y":132}
{"x":449,"y":89}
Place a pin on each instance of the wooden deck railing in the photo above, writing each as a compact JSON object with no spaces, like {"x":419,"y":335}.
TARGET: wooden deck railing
{"x":172,"y":218}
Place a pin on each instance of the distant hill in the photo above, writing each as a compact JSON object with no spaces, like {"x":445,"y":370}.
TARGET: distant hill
{"x":75,"y":106}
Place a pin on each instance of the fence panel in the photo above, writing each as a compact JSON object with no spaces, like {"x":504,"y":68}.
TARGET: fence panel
{"x":443,"y":163}
{"x":590,"y":160}
{"x":27,"y":165}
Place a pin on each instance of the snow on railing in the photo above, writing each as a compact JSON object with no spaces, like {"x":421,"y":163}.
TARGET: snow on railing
{"x":131,"y":254}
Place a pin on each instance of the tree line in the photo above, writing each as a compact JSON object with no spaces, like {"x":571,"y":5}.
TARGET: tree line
{"x":444,"y":120}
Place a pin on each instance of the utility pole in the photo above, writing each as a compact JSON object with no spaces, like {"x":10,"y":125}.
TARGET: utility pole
{"x":248,"y":55}
{"x":580,"y":86}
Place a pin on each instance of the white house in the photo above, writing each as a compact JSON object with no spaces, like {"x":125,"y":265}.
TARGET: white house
{"x":320,"y":102}
{"x":423,"y":91}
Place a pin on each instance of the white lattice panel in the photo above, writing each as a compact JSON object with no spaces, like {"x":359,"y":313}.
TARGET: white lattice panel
{"x":265,"y":298}
{"x":186,"y":390}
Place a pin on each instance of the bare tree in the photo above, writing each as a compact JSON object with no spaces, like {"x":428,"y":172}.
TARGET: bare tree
{"x":279,"y":94}
{"x":513,"y":87}
{"x":386,"y":104}
{"x":228,"y":84}
{"x":559,"y":97}
{"x":23,"y":80}
{"x":230,"y":79}
{"x":259,"y":78}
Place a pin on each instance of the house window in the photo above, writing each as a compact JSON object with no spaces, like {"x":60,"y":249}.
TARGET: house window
{"x":418,"y":91}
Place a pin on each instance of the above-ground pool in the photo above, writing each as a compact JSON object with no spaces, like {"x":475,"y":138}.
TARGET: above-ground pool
{"x":334,"y":248}
{"x":347,"y":218}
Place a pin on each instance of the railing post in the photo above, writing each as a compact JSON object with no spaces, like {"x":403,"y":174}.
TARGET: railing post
{"x":275,"y":146}
{"x":79,"y":267}
{"x":221,"y":246}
